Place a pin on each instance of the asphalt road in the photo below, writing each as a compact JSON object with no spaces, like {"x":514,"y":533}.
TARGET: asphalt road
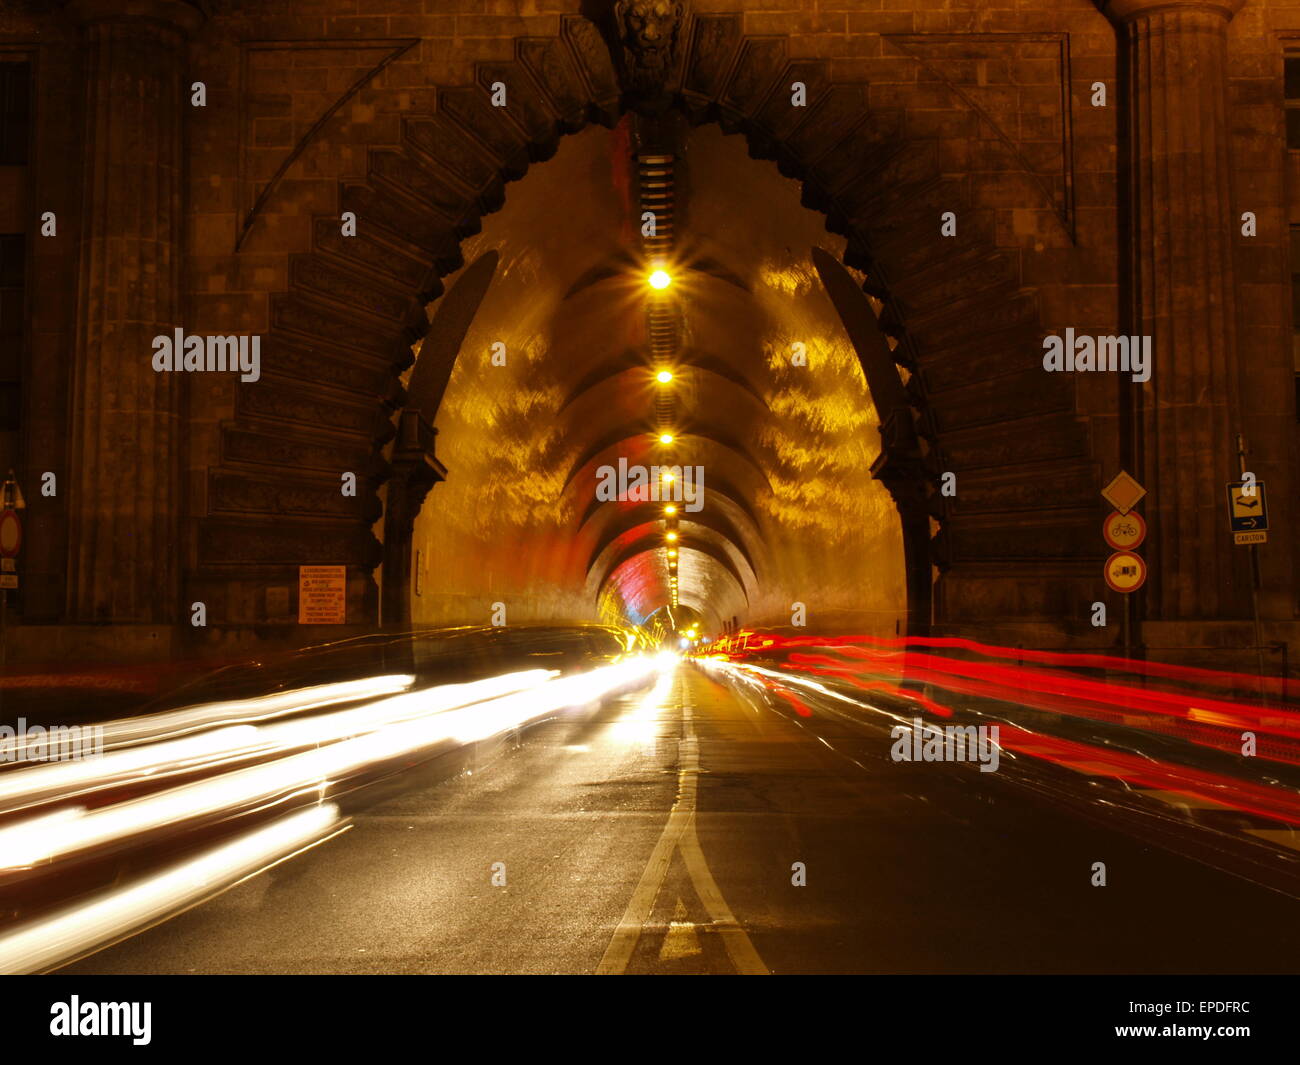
{"x":662,"y":836}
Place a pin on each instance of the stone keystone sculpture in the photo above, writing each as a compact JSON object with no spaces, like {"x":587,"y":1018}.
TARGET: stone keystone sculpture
{"x":648,"y":32}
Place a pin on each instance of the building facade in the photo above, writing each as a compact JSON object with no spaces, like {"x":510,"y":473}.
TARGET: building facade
{"x":994,"y":174}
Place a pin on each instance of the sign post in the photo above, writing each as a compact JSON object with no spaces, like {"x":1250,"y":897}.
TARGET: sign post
{"x":1124,"y":530}
{"x":1248,"y":520}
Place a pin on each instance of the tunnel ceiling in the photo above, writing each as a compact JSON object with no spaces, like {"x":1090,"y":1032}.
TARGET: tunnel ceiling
{"x":555,"y":388}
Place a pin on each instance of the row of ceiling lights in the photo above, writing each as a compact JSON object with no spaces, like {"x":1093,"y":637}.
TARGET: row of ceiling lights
{"x":660,"y":280}
{"x":655,"y":173}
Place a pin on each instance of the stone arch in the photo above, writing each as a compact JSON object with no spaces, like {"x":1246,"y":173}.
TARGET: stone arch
{"x":964,"y":326}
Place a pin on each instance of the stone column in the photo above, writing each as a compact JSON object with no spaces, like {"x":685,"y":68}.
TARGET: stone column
{"x":415,"y":471}
{"x":900,"y":467}
{"x":124,"y":553}
{"x":1183,"y":294}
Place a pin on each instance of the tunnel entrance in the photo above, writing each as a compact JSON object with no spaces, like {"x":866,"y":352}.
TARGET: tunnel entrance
{"x":959,"y":324}
{"x":580,"y":486}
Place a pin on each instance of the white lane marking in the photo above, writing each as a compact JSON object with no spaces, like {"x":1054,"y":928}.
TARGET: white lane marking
{"x":679,"y":832}
{"x":681,"y":940}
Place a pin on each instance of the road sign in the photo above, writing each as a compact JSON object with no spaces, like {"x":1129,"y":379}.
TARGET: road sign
{"x":1125,"y":571}
{"x":1123,"y":492}
{"x":11,"y":533}
{"x":1247,"y":513}
{"x":1124,"y":530}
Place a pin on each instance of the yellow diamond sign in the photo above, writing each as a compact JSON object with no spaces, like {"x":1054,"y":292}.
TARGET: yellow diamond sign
{"x":1123,"y":492}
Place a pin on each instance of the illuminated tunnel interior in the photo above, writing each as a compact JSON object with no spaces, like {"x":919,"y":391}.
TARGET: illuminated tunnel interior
{"x":766,"y":399}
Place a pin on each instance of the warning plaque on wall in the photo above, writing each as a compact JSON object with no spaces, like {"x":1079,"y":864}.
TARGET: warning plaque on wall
{"x":322,"y":595}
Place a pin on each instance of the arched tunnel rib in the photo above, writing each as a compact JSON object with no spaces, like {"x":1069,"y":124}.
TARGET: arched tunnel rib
{"x":726,"y":506}
{"x":647,"y":446}
{"x":630,"y":363}
{"x":694,"y":535}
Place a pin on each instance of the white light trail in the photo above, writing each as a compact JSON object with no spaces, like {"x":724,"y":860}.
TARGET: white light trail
{"x":410,"y":724}
{"x":74,"y":931}
{"x":169,"y":757}
{"x":173,"y":723}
